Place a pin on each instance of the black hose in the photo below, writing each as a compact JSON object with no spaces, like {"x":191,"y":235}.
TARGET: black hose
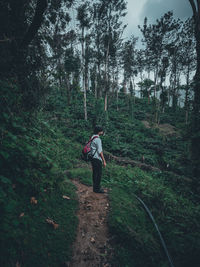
{"x":156,"y":226}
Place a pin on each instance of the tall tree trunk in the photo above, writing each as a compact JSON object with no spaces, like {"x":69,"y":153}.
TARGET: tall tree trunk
{"x":156,"y":102}
{"x":83,"y":76}
{"x":106,"y":79}
{"x":174,"y":85}
{"x":67,"y":80}
{"x":187,"y":95}
{"x":86,"y":66}
{"x":195,"y":139}
{"x":95,"y":83}
{"x":155,"y":81}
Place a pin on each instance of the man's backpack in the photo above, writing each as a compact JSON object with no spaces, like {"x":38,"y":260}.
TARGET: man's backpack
{"x":87,"y":151}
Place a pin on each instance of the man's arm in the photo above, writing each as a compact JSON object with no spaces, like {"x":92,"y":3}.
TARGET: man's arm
{"x":102,"y":157}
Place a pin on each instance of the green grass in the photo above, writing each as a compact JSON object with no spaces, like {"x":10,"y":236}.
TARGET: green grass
{"x":34,"y":242}
{"x":41,"y":153}
{"x":33,"y":160}
{"x":82,"y":174}
{"x":136,"y":240}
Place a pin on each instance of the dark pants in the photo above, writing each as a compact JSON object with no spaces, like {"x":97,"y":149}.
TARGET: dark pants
{"x":97,"y":172}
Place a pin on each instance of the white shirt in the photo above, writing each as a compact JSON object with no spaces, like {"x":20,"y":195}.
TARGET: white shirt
{"x":96,"y":147}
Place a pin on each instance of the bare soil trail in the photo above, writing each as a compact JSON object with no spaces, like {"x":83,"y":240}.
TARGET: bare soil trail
{"x":91,"y":248}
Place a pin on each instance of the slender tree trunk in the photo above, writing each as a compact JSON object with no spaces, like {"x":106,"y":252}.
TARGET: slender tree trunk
{"x":99,"y":87}
{"x":195,"y":138}
{"x":117,"y":81}
{"x":187,"y":95}
{"x":133,"y":82}
{"x":68,"y":90}
{"x":117,"y":99}
{"x":95,"y":84}
{"x":86,"y":67}
{"x":155,"y":96}
{"x":113,"y":82}
{"x":155,"y":81}
{"x":83,"y":76}
{"x":106,"y":79}
{"x":174,"y":93}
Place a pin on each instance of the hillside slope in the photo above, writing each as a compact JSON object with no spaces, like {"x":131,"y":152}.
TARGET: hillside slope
{"x":40,"y":153}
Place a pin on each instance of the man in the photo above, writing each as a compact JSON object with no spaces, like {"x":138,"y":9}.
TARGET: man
{"x":98,"y":159}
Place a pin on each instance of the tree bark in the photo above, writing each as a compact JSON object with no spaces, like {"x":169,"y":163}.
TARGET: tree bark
{"x":195,"y":139}
{"x":106,"y":79}
{"x":36,"y":23}
{"x":187,"y":95}
{"x":83,"y":72}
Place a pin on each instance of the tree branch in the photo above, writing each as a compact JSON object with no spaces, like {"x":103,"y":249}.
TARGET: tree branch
{"x":198,"y":4}
{"x":36,"y":23}
{"x":194,"y":9}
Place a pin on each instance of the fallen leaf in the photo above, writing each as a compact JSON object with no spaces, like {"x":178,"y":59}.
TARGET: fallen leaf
{"x":92,"y":240}
{"x":66,"y":197}
{"x":83,"y":235}
{"x":55,"y":225}
{"x":21,"y":215}
{"x":34,"y":200}
{"x":49,"y":221}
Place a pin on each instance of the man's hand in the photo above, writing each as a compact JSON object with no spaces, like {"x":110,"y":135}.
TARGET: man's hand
{"x":102,"y":157}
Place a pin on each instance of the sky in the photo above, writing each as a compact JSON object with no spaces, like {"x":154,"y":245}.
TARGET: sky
{"x":152,"y":9}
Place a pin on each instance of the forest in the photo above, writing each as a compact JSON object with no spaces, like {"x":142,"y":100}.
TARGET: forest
{"x":65,"y":67}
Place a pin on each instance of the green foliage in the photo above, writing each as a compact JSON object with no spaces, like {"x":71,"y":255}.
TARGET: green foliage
{"x":34,"y":156}
{"x":83,"y":174}
{"x":40,"y":152}
{"x":146,"y":87}
{"x":137,"y":242}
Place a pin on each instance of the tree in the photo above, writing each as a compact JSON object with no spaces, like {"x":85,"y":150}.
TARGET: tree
{"x":107,"y":31}
{"x":188,"y":59}
{"x":72,"y":69}
{"x":22,"y":44}
{"x":129,"y":60}
{"x":16,"y":34}
{"x":146,"y":88}
{"x":84,"y":22}
{"x":195,"y":139}
{"x":157,"y":38}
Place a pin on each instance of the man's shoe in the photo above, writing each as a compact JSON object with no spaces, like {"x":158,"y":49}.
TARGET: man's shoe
{"x":100,"y":191}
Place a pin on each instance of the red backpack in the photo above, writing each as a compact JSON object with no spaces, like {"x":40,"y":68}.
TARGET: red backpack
{"x":87,"y":151}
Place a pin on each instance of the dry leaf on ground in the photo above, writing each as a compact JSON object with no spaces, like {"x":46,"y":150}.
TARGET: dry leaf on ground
{"x":34,"y":200}
{"x":66,"y":197}
{"x":92,"y":240}
{"x":51,"y":222}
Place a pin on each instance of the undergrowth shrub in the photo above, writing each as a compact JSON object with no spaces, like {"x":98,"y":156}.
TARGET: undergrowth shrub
{"x":33,"y":158}
{"x":136,"y":240}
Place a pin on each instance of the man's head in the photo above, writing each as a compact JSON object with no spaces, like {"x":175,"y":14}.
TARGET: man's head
{"x":98,"y":130}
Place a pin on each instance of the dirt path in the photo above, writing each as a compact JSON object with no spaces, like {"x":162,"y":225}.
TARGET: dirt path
{"x":91,"y":248}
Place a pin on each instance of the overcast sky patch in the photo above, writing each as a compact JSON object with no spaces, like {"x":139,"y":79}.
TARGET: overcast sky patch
{"x":153,"y":9}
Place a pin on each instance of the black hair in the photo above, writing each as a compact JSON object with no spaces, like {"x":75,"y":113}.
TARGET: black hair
{"x":98,"y":129}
